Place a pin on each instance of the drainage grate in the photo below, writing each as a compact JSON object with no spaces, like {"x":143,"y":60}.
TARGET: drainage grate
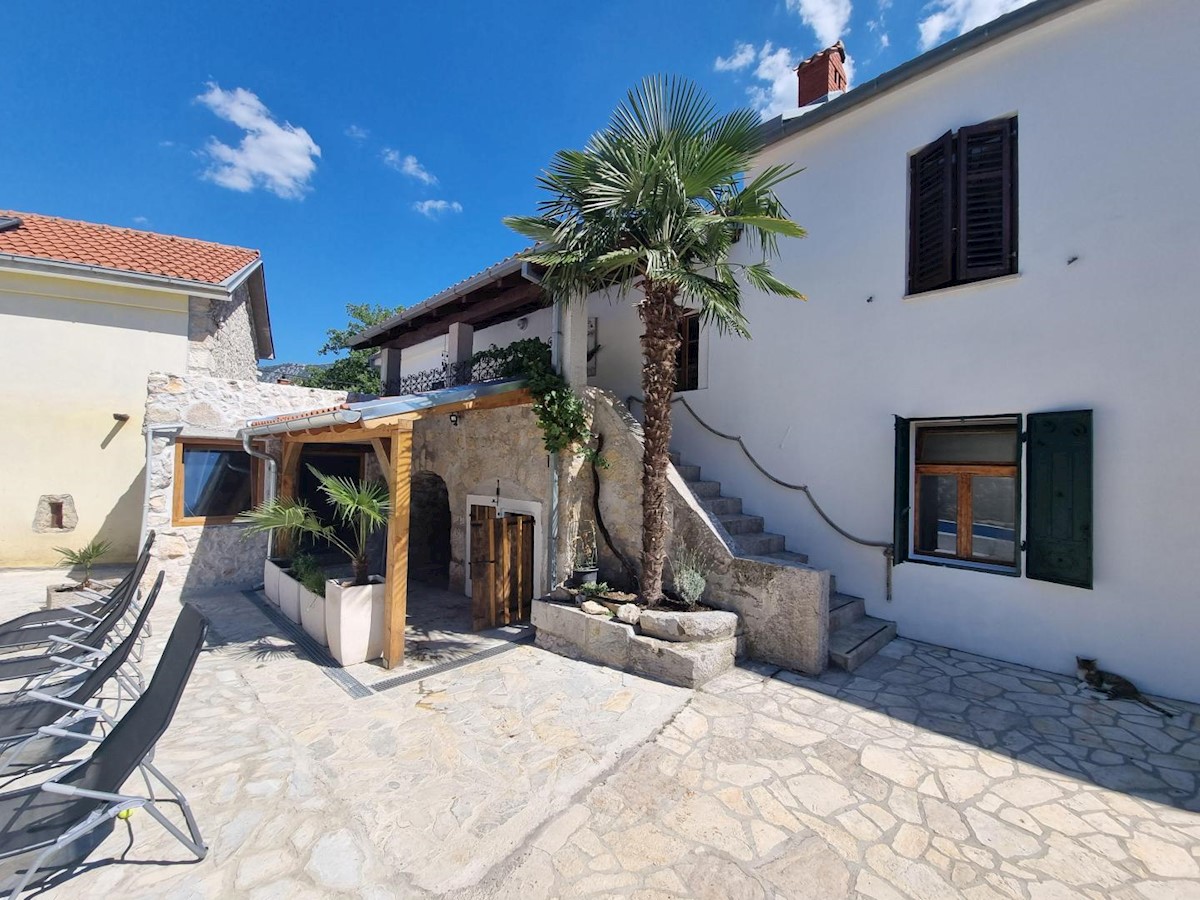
{"x":314,"y":651}
{"x":451,"y":665}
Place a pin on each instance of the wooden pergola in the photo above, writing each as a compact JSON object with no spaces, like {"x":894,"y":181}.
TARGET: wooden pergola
{"x":391,"y":438}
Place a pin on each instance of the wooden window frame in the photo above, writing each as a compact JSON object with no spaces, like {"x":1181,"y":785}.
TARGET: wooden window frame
{"x":954,"y":215}
{"x":256,"y":485}
{"x":964,"y":554}
{"x":684,"y":360}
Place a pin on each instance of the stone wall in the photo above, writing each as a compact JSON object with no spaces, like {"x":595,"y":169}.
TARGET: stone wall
{"x":493,"y":452}
{"x":784,"y":608}
{"x":221,"y":336}
{"x":197,"y":557}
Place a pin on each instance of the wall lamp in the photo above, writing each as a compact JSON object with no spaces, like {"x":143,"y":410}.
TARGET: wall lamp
{"x":454,"y":419}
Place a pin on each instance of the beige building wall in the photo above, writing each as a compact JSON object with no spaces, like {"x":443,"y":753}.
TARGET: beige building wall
{"x":73,"y":353}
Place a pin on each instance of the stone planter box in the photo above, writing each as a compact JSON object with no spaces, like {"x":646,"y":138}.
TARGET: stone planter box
{"x":568,"y":631}
{"x":354,"y":620}
{"x":312,"y":615}
{"x":289,"y":597}
{"x":64,"y":594}
{"x":272,"y":569}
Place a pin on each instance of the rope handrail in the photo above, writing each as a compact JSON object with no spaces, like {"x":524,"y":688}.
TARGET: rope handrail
{"x":887,"y":547}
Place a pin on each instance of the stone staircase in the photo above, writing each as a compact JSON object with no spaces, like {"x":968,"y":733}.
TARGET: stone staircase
{"x":854,"y":637}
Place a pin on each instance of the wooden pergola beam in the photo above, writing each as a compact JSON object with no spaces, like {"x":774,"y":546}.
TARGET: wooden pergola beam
{"x":381,"y":456}
{"x":396,"y":608}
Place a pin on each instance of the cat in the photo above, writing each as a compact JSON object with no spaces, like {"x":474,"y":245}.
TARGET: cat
{"x":1114,"y":686}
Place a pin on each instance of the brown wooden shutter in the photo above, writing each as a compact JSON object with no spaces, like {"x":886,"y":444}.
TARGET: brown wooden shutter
{"x":987,"y":200}
{"x":931,"y":216}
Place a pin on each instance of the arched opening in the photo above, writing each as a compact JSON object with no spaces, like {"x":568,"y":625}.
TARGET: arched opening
{"x":429,"y":531}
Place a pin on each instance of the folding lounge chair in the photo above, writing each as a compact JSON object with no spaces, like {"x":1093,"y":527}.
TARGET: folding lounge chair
{"x":65,"y":655}
{"x":36,"y":627}
{"x":21,"y":745}
{"x":39,"y":824}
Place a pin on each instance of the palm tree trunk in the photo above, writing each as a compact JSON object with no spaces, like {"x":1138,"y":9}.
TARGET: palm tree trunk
{"x":660,"y":342}
{"x":361,"y":570}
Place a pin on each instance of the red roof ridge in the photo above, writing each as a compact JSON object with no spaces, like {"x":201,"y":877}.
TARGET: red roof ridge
{"x":106,"y":227}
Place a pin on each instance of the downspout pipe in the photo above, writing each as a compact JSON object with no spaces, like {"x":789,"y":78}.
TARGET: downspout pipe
{"x":529,"y":273}
{"x":269,"y":487}
{"x":150,"y":431}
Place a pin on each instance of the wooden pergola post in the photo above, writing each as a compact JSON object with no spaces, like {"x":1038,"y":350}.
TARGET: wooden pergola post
{"x":400,"y":483}
{"x":289,"y":471}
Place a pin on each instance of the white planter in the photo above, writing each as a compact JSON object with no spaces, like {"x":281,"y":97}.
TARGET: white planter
{"x":289,"y":597}
{"x":354,"y":620}
{"x":312,"y":615}
{"x":271,"y":572}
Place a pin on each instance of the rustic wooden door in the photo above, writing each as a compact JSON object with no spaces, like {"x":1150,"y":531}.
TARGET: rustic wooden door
{"x":501,"y":568}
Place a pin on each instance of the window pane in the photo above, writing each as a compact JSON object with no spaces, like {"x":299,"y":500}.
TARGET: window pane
{"x":216,"y":482}
{"x":937,"y":526}
{"x":994,"y":510}
{"x":978,"y":444}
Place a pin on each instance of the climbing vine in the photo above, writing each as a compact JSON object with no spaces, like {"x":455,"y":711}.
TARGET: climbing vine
{"x":559,"y":410}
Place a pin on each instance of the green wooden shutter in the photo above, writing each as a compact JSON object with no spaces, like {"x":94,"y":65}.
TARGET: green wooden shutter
{"x":931,"y":216}
{"x":1059,"y":515}
{"x":987,"y":200}
{"x":901,"y":502}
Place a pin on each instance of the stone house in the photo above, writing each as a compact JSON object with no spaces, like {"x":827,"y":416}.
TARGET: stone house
{"x":971,"y":388}
{"x":87,"y":312}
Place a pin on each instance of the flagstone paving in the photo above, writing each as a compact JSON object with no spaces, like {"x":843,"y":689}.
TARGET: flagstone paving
{"x":928,"y":773}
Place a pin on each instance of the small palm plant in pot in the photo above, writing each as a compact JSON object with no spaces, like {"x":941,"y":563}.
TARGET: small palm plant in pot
{"x":354,"y":608}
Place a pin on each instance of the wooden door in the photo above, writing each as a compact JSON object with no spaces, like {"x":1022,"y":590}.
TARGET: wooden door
{"x":501,"y":568}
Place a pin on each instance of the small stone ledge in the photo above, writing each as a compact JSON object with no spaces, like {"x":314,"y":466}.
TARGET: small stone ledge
{"x":569,"y":631}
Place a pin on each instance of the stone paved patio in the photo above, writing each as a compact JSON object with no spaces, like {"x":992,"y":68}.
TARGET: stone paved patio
{"x":928,"y":773}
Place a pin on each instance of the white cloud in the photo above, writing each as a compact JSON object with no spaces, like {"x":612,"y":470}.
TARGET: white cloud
{"x":742,"y":56}
{"x":409,"y":165}
{"x":884,"y":40}
{"x":276,"y":156}
{"x":827,"y":18}
{"x":953,"y":17}
{"x":140,"y":220}
{"x":432,"y":209}
{"x":777,"y":72}
{"x":354,"y":132}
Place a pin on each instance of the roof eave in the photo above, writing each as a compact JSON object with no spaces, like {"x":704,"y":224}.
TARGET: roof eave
{"x":1022,"y":19}
{"x":104,"y":275}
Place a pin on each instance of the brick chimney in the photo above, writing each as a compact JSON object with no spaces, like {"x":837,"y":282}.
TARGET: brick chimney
{"x":822,"y":74}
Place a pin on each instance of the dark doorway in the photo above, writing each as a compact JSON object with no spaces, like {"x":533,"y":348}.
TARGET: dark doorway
{"x":429,"y":531}
{"x":346,"y":461}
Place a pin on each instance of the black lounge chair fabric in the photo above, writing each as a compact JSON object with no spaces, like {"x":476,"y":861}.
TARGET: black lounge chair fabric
{"x":33,"y":818}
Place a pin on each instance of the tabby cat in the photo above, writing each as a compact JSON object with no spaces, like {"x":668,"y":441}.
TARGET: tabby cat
{"x":1116,"y":687}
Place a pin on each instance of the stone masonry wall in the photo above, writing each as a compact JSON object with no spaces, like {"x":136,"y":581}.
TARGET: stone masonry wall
{"x":784,"y":608}
{"x":221,"y":336}
{"x":494,"y":452}
{"x":198,"y":557}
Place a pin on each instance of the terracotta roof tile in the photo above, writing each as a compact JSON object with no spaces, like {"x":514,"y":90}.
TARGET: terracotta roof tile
{"x":122,"y":249}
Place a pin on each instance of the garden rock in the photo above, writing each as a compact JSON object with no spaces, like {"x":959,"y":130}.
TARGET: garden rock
{"x":668,"y":625}
{"x":592,"y":608}
{"x":629,"y":613}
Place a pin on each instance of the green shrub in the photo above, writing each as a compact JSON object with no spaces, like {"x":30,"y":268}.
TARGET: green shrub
{"x":690,"y":568}
{"x":307,"y":571}
{"x":593,"y":588}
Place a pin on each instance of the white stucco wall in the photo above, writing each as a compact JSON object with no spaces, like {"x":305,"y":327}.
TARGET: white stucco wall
{"x":71,"y":355}
{"x":1107,"y":139}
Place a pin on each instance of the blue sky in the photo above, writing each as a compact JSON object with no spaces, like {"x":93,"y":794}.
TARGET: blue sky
{"x":371,"y":149}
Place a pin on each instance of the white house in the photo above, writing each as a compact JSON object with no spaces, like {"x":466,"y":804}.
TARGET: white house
{"x":994,"y":371}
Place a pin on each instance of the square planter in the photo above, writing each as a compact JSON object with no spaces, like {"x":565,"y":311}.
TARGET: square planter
{"x":289,"y":597}
{"x":272,"y":568}
{"x":312,"y":615}
{"x":354,"y":620}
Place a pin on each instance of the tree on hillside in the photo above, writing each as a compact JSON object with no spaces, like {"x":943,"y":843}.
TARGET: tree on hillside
{"x":653,"y":204}
{"x":353,"y":371}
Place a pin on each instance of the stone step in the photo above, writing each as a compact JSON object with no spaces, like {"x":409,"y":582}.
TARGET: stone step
{"x":740,"y":523}
{"x":705,"y":489}
{"x":845,"y":610}
{"x":759,"y":544}
{"x":688,"y":473}
{"x":784,"y":558}
{"x":723,"y":506}
{"x":853,"y":645}
{"x":674,"y":457}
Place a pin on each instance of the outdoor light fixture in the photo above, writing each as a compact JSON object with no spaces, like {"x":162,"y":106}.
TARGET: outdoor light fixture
{"x":121,"y":417}
{"x":454,"y":419}
{"x":522,"y":323}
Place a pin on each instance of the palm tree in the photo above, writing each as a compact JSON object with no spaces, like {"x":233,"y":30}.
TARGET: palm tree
{"x":654,"y":203}
{"x":362,"y":505}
